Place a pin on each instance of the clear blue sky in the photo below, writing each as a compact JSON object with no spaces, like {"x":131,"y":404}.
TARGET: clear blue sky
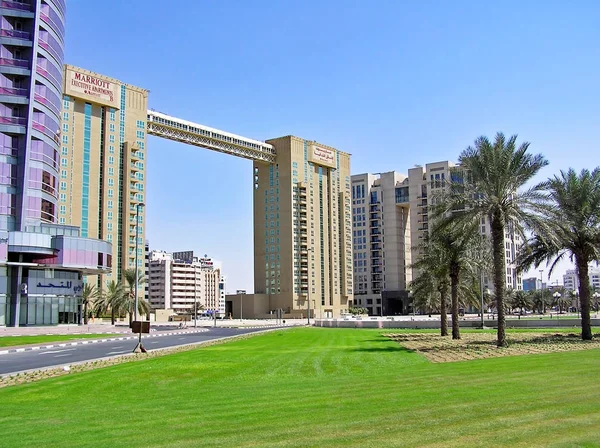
{"x":395,"y":83}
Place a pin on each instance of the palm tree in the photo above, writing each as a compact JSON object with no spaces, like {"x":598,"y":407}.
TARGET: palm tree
{"x":112,"y":299}
{"x":143,"y":306}
{"x":450,"y":260}
{"x":459,"y":247}
{"x":489,"y":187}
{"x":572,"y":229}
{"x":522,"y":300}
{"x":432,"y":279}
{"x":88,"y":295}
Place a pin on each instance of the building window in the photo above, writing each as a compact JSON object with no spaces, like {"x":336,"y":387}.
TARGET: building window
{"x":109,"y":226}
{"x":63,"y":197}
{"x":111,"y":171}
{"x":109,"y":215}
{"x":61,"y":220}
{"x":111,"y":182}
{"x":63,"y":186}
{"x":111,"y":127}
{"x":63,"y":209}
{"x":66,"y":103}
{"x":63,"y":174}
{"x":111,"y":138}
{"x":111,"y":114}
{"x":111,"y":149}
{"x":111,"y":160}
{"x":65,"y":151}
{"x":65,"y":139}
{"x":109,"y":204}
{"x":65,"y":127}
{"x":110,"y":192}
{"x":66,"y":116}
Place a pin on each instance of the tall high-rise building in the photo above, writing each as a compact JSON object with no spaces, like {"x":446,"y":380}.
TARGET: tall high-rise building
{"x":102,"y":157}
{"x":381,"y":241}
{"x":303,"y":229}
{"x":391,"y":215}
{"x":41,"y":262}
{"x":424,"y":183}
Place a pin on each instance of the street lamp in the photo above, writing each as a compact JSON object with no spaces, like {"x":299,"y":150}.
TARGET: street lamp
{"x":576,"y":294}
{"x":542,"y":290}
{"x":557,"y":297}
{"x":312,"y":249}
{"x":139,"y":347}
{"x":596,"y":296}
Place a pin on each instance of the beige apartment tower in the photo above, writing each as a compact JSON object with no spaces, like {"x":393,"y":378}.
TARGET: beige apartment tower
{"x":303,"y":230}
{"x":102,"y":172}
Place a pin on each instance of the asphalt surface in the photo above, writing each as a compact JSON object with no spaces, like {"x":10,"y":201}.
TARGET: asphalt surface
{"x":60,"y":356}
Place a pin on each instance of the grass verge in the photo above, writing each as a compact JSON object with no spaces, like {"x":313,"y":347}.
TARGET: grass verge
{"x":312,"y":387}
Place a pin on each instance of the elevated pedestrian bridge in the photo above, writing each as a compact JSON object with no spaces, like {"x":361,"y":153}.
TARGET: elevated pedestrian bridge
{"x":172,"y":128}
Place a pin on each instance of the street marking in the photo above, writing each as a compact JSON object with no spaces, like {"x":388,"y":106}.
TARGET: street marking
{"x":49,"y":352}
{"x":118,"y":353}
{"x":59,"y":356}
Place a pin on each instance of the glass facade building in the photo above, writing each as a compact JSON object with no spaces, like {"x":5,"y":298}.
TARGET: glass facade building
{"x":35,"y":251}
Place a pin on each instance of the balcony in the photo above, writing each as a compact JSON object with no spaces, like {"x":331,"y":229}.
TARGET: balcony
{"x":375,"y":239}
{"x":15,"y":34}
{"x":19,"y":121}
{"x":10,"y":62}
{"x":376,"y":255}
{"x":375,"y":232}
{"x":8,"y":151}
{"x":376,"y":247}
{"x":16,"y":5}
{"x":374,"y":216}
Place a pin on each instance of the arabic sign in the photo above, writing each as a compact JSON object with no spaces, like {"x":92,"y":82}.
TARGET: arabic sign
{"x":52,"y":286}
{"x":322,"y":156}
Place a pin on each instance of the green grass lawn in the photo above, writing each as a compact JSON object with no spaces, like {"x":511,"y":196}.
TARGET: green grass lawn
{"x":13,"y":341}
{"x":312,"y":387}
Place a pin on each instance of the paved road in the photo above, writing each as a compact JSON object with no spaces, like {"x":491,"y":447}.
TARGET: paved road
{"x":58,"y":356}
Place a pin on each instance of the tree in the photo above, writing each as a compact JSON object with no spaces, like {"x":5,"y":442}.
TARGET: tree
{"x":450,"y":259}
{"x":522,"y":300}
{"x":572,"y":229}
{"x":112,"y":299}
{"x":143,"y":305}
{"x":489,"y":186}
{"x":432,"y":279}
{"x":88,"y":296}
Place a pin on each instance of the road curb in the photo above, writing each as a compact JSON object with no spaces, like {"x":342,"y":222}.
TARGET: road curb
{"x":95,"y":341}
{"x":137,"y":356}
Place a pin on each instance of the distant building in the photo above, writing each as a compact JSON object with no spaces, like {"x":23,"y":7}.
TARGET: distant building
{"x":532,"y":284}
{"x":183,"y":282}
{"x":571,"y":281}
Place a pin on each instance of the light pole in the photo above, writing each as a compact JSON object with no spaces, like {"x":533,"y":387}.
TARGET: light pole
{"x":576,"y":294}
{"x":557,"y":297}
{"x":542,"y":290}
{"x":596,"y":296}
{"x":312,"y":249}
{"x":195,"y":311}
{"x":139,"y":348}
{"x":481,"y":282}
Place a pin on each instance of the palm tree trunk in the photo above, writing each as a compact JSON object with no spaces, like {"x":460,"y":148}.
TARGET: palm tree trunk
{"x":85,"y":313}
{"x":454,"y":273}
{"x":112,"y":316}
{"x":584,"y":298}
{"x":497,"y":225}
{"x":443,"y":314}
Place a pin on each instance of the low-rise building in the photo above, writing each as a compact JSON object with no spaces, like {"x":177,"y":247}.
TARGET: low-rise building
{"x":184,"y":283}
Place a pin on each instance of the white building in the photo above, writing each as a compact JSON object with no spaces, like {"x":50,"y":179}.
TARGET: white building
{"x":571,"y":282}
{"x":427,"y":181}
{"x":182,"y":282}
{"x":381,"y":242}
{"x":390,"y":220}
